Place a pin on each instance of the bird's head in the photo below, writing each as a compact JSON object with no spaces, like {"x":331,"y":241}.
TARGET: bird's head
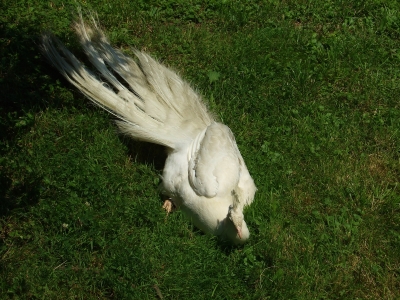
{"x":240,"y":233}
{"x":232,"y":228}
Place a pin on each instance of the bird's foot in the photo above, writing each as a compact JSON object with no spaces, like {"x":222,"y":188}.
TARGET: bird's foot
{"x":168,"y":206}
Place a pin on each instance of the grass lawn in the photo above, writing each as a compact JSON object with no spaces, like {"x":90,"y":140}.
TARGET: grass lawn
{"x":311,"y":90}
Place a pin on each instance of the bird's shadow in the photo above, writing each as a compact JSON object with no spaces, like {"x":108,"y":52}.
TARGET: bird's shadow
{"x":148,"y":154}
{"x":145,"y":153}
{"x":226,"y":247}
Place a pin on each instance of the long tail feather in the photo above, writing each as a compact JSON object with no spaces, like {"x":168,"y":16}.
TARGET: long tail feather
{"x":152,"y":102}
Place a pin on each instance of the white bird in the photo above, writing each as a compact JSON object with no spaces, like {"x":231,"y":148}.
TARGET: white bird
{"x":204,"y":174}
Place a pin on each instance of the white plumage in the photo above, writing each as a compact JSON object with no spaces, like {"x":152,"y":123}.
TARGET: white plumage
{"x":204,"y":174}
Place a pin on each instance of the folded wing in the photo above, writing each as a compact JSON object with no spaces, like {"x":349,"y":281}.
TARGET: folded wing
{"x":214,"y":164}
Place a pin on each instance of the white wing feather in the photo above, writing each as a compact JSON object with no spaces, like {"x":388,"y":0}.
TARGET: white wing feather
{"x":214,"y":169}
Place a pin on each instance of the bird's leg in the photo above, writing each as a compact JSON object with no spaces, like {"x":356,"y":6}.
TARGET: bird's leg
{"x":168,"y":206}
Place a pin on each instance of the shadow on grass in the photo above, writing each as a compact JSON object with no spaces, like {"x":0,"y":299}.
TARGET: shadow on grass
{"x":22,"y":82}
{"x":145,"y":153}
{"x":22,"y":95}
{"x":19,"y":195}
{"x":28,"y":85}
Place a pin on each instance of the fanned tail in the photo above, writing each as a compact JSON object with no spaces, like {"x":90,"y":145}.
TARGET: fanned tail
{"x":152,"y":102}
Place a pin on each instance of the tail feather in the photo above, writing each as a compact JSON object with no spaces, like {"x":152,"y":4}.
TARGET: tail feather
{"x":152,"y":102}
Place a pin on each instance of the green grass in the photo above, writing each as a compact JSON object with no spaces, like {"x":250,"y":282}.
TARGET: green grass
{"x":311,"y":90}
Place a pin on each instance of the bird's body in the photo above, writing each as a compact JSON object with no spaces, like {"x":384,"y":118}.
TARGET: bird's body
{"x":204,"y":174}
{"x":204,"y":177}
